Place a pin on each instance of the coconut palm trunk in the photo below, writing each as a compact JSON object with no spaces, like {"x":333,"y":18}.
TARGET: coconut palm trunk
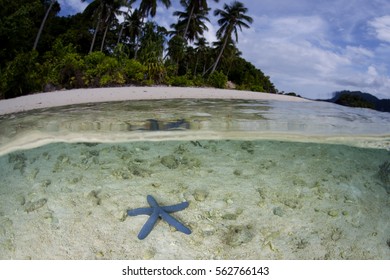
{"x":189,"y":21}
{"x":105,"y":33}
{"x":43,"y":24}
{"x":129,"y":6}
{"x":220,"y":54}
{"x":95,"y":33}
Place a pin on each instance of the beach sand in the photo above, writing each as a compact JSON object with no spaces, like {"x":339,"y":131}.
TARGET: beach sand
{"x":80,"y":96}
{"x":249,"y":199}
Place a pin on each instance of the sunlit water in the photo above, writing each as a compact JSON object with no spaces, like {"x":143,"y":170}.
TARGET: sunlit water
{"x":264,"y":179}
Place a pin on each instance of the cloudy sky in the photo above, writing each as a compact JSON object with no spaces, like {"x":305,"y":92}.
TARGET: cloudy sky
{"x":309,"y":47}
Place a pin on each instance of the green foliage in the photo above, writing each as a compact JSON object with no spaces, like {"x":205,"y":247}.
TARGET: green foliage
{"x":18,"y":25}
{"x":248,"y":77}
{"x":102,"y":70}
{"x":93,"y":59}
{"x":218,"y":79}
{"x":21,"y":76}
{"x":176,"y":49}
{"x":186,"y":81}
{"x":135,"y":71}
{"x":151,"y":51}
{"x":108,"y":66}
{"x":63,"y":66}
{"x":116,"y":78}
{"x":147,"y":83}
{"x":257,"y":88}
{"x":291,"y":94}
{"x":120,"y":53}
{"x":73,"y":30}
{"x":348,"y":99}
{"x":91,"y":75}
{"x":198,"y":81}
{"x":137,"y":53}
{"x":180,"y":81}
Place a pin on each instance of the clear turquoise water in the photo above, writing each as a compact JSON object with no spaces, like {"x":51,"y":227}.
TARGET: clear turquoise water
{"x":195,"y":119}
{"x":249,"y":198}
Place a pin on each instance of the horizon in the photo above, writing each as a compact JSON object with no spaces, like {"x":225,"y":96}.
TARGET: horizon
{"x":312,"y":49}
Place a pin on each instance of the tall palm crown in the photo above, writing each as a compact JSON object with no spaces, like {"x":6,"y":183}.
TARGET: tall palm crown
{"x":149,"y":7}
{"x":231,"y":17}
{"x":191,"y":26}
{"x":133,"y":24}
{"x":194,"y":8}
{"x":125,"y":23}
{"x":196,"y":5}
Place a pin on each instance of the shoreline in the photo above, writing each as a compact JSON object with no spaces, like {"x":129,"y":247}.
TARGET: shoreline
{"x":49,"y":130}
{"x":96,"y":95}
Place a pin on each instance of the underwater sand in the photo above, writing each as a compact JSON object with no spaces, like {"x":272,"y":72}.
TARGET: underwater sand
{"x":248,"y":200}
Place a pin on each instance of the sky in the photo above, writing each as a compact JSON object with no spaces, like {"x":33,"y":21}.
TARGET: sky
{"x":312,"y":48}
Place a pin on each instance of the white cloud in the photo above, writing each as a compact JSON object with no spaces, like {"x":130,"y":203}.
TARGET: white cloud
{"x":72,"y":6}
{"x":382,"y":27}
{"x":294,"y":51}
{"x":210,"y":34}
{"x":358,"y":52}
{"x":297,"y":26}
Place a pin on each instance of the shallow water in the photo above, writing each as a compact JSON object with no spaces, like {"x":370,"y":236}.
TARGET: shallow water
{"x":195,"y":119}
{"x":249,"y":199}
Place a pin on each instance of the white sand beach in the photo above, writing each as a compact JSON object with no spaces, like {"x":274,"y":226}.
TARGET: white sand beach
{"x":80,"y":96}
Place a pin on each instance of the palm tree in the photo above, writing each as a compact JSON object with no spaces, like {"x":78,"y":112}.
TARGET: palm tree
{"x":149,"y":7}
{"x":152,"y":49}
{"x":191,"y":23}
{"x":96,"y":9}
{"x":194,"y":7}
{"x":103,"y":10}
{"x":43,"y":24}
{"x":129,"y":4}
{"x":201,"y":51}
{"x":113,"y":9}
{"x":176,"y":50}
{"x":232,"y":17}
{"x":133,"y":29}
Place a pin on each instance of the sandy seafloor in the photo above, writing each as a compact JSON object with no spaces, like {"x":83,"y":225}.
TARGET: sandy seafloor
{"x":249,"y":198}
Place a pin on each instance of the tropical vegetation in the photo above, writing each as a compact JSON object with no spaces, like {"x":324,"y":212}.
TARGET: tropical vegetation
{"x":359,"y":99}
{"x":41,"y":51}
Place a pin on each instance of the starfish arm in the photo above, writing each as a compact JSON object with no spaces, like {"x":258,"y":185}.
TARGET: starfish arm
{"x":176,"y":207}
{"x":175,"y":223}
{"x":140,"y":211}
{"x":152,"y":202}
{"x":148,"y":226}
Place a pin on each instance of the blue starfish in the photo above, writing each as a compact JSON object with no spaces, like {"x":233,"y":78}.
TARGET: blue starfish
{"x":156,"y":211}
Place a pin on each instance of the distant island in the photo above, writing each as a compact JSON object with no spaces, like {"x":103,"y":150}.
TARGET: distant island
{"x":359,"y":99}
